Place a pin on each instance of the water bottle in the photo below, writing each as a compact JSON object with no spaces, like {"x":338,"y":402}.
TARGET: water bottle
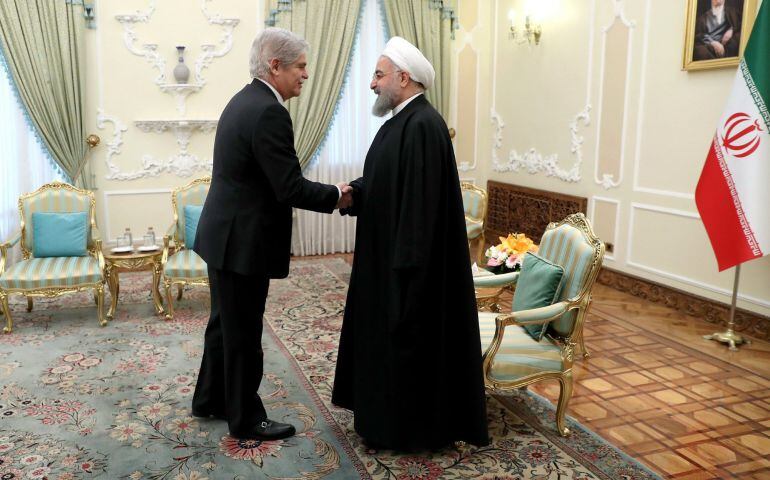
{"x":149,"y":238}
{"x":128,"y":238}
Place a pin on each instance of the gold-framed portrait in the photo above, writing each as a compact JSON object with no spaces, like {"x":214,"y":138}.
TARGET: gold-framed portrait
{"x":716,"y":32}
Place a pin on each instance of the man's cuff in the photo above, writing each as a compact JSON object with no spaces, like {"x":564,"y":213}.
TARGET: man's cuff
{"x":339,"y":192}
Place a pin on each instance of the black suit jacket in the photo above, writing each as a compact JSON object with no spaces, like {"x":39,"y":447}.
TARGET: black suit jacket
{"x":245,"y":225}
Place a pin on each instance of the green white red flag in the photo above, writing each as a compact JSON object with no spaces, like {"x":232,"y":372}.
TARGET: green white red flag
{"x":733,"y":193}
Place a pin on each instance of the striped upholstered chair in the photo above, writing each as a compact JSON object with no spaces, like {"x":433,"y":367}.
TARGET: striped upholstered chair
{"x":51,"y":276}
{"x":183,"y":266}
{"x":512,"y":358}
{"x":475,"y":206}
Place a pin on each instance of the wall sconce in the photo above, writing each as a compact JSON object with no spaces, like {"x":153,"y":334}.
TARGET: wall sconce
{"x":89,"y":13}
{"x":531,"y":32}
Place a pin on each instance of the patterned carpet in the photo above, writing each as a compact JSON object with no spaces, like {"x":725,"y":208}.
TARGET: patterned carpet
{"x":80,"y":401}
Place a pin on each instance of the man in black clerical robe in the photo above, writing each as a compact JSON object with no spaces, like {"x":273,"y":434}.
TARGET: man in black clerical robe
{"x":409,"y":361}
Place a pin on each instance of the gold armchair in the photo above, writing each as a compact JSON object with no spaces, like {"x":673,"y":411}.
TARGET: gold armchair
{"x":52,"y":276}
{"x":512,"y":358}
{"x":475,"y":206}
{"x":181,"y":265}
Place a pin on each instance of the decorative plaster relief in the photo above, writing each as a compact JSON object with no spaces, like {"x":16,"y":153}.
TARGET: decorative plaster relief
{"x":182,"y":164}
{"x":113,"y":146}
{"x":149,"y":51}
{"x":535,"y":162}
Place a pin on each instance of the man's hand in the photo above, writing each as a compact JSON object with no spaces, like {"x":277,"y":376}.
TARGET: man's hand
{"x":346,"y":200}
{"x":727,"y":36}
{"x":719,"y":49}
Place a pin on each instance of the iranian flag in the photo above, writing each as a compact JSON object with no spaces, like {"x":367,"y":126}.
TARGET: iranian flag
{"x":733,"y":193}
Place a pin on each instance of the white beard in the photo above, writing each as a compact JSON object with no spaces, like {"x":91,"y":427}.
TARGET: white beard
{"x":384,"y":103}
{"x":719,"y":13}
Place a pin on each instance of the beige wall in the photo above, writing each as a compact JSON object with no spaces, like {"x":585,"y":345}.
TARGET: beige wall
{"x":124,"y":88}
{"x":617,"y":122}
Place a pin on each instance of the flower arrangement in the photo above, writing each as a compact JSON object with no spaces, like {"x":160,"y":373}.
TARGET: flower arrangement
{"x":508,"y":255}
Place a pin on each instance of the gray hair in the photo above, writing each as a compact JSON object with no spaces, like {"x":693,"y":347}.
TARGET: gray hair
{"x":273,"y":43}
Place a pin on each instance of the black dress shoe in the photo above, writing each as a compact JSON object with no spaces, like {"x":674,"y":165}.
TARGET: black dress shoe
{"x":268,"y":430}
{"x":218,"y":416}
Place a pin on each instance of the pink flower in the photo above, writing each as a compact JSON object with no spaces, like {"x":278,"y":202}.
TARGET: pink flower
{"x":493,"y":262}
{"x":248,"y":449}
{"x":417,"y":468}
{"x":38,"y":472}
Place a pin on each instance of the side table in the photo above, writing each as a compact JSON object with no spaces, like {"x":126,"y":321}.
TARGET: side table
{"x":488,"y":297}
{"x":132,"y":261}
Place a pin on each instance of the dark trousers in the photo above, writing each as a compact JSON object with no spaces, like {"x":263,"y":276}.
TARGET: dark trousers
{"x":231,"y":369}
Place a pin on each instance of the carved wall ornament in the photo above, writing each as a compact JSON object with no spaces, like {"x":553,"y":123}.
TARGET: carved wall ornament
{"x":534,"y":162}
{"x":149,"y":51}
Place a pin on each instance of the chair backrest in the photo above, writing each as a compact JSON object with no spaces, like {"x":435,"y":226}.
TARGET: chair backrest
{"x":194,"y":193}
{"x":572,"y":244}
{"x":474,"y":202}
{"x":54,"y":197}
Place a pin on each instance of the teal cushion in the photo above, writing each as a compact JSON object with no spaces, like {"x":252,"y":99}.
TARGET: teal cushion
{"x":59,"y":234}
{"x":192,"y":213}
{"x":538,"y":286}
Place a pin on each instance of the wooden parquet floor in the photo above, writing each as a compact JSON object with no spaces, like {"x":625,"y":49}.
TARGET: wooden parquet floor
{"x":686,"y":407}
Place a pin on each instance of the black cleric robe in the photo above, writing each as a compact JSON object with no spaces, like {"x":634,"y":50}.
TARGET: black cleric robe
{"x":409,"y":359}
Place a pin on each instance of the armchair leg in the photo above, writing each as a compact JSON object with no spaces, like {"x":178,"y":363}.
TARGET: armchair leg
{"x":170,"y":309}
{"x":29,"y":304}
{"x":583,"y":348}
{"x":565,"y":382}
{"x":99,"y":294}
{"x":7,"y":312}
{"x":179,"y":290}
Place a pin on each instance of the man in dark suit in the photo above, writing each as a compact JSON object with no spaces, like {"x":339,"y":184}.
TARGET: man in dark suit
{"x":244,"y":233}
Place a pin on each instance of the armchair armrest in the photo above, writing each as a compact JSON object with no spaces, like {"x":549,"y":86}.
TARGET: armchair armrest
{"x":534,"y":316}
{"x":5,"y":246}
{"x":96,"y":238}
{"x":502,"y":280}
{"x":95,"y":233}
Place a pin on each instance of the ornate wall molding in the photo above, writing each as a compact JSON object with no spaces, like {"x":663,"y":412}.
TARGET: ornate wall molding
{"x":183,"y":164}
{"x":607,"y":180}
{"x":113,"y":146}
{"x":149,"y":51}
{"x":746,"y":322}
{"x":534,"y":162}
{"x":226,"y":43}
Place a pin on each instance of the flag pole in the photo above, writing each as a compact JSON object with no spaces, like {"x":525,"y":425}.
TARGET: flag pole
{"x":730,"y":337}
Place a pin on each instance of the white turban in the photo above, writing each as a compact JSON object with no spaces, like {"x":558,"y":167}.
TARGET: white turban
{"x":409,"y":58}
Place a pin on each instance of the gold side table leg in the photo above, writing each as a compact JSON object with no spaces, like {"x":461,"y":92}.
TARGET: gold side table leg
{"x":156,"y":266}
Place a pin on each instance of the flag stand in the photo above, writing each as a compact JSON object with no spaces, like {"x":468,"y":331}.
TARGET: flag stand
{"x":730,"y":337}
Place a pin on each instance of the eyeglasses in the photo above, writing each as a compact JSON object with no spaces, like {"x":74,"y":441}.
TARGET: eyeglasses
{"x":380,"y":75}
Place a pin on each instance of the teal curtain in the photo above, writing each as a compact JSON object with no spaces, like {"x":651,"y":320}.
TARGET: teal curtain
{"x":42,"y":41}
{"x":429,"y":25}
{"x":329,"y":27}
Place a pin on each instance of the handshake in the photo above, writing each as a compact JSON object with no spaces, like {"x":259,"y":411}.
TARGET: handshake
{"x":346,"y":200}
